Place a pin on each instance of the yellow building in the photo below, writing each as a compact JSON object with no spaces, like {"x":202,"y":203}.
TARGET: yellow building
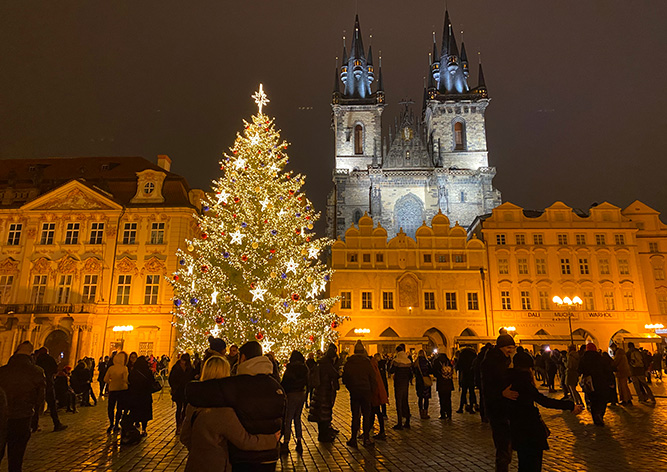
{"x":536,"y":255}
{"x":424,"y":292}
{"x":86,"y":244}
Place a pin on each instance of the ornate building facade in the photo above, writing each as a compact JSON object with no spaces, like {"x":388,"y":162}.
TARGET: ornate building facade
{"x":86,"y":246}
{"x":437,"y":161}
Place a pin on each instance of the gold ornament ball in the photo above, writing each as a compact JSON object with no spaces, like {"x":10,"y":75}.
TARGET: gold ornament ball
{"x":255,"y":245}
{"x":258,"y":189}
{"x":309,"y":279}
{"x":303,"y":252}
{"x":273,"y":275}
{"x":310,"y":226}
{"x":228,"y":299}
{"x":310,"y":307}
{"x":269,"y":205}
{"x":191,"y":248}
{"x":286,"y":329}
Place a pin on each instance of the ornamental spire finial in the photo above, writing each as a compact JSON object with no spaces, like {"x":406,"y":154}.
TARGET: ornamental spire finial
{"x":260,"y":98}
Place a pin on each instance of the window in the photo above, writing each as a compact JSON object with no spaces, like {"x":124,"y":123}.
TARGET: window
{"x":89,"y":289}
{"x":427,"y":258}
{"x":429,"y":301}
{"x":149,"y":187}
{"x":152,"y":288}
{"x":538,"y":239}
{"x":354,"y":257}
{"x":358,"y":139}
{"x":583,"y":267}
{"x":459,"y":258}
{"x":619,"y":239}
{"x":562,"y":239}
{"x":130,"y":233}
{"x":345,"y":300}
{"x":565,"y":266}
{"x":157,"y":233}
{"x":600,"y":240}
{"x":473,"y":301}
{"x":525,"y":300}
{"x":662,"y":304}
{"x":458,"y":136}
{"x":522,"y":264}
{"x":387,"y":300}
{"x":541,"y":266}
{"x":500,"y":239}
{"x":366,"y":258}
{"x":520,"y":239}
{"x":379,"y":257}
{"x":609,"y":301}
{"x":580,"y":239}
{"x":505,"y":300}
{"x":604,"y":266}
{"x":589,"y":301}
{"x":653,"y":247}
{"x":64,"y":289}
{"x":623,"y":267}
{"x":628,"y":301}
{"x":503,"y":266}
{"x":442,"y":258}
{"x":38,"y":289}
{"x":145,"y":348}
{"x":659,"y":273}
{"x":72,"y":233}
{"x":463,"y":196}
{"x":14,"y":236}
{"x":366,"y":301}
{"x":450,"y":301}
{"x":6,"y":282}
{"x":545,"y":303}
{"x":123,"y":293}
{"x":48,"y":232}
{"x":96,"y":233}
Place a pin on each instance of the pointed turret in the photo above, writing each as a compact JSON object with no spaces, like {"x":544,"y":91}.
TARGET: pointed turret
{"x":335,"y":98}
{"x":369,"y":59}
{"x":464,"y":60}
{"x":481,"y":83}
{"x":445,"y":34}
{"x":357,"y":49}
{"x":343,"y":64}
{"x":451,"y":78}
{"x":358,"y":69}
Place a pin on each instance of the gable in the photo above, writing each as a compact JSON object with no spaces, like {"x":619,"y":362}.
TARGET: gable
{"x":73,"y":195}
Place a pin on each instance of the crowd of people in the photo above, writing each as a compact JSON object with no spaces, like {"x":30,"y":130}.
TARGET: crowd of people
{"x":239,"y":410}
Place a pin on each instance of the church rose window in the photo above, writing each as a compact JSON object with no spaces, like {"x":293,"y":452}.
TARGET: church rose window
{"x":409,"y":214}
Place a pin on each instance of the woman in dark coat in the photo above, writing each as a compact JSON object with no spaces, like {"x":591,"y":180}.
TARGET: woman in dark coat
{"x":180,"y":375}
{"x":422,"y":369}
{"x":323,"y":397}
{"x":140,"y":393}
{"x":80,"y":382}
{"x":591,"y":365}
{"x":444,"y":373}
{"x":295,"y":382}
{"x":529,"y":433}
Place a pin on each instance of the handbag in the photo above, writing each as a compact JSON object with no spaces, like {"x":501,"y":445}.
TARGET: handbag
{"x":428,"y":381}
{"x":155,"y":386}
{"x":586,"y":384}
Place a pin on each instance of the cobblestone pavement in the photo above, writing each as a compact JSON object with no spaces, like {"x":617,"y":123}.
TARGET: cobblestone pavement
{"x":634,"y":440}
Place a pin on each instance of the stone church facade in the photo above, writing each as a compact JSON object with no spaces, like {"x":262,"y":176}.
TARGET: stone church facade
{"x":437,"y":161}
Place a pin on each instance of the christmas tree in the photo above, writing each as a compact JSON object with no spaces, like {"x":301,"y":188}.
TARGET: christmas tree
{"x":254,"y":270}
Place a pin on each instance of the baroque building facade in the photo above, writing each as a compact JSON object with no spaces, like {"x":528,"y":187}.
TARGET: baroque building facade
{"x":434,"y":162}
{"x":86,"y":246}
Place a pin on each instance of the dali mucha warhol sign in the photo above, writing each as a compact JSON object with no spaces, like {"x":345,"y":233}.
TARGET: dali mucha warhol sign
{"x":563,"y":315}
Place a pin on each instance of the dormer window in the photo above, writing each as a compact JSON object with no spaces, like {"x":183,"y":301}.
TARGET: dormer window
{"x":357,"y":62}
{"x":149,"y":187}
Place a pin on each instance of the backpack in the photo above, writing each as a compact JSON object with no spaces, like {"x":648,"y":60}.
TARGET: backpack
{"x":636,"y":359}
{"x":447,"y":372}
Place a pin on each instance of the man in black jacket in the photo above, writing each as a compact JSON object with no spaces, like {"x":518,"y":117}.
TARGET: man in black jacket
{"x":257,"y":398}
{"x":24,"y":384}
{"x":50,"y":368}
{"x":466,"y":380}
{"x":495,"y":387}
{"x":359,"y":378}
{"x":401,"y":368}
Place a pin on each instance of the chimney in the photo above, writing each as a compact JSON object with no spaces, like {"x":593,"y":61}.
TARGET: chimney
{"x":164,"y":162}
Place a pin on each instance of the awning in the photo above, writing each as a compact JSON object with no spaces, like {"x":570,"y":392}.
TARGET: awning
{"x":474,"y":339}
{"x":385,"y":340}
{"x":639,"y":338}
{"x":548,"y":339}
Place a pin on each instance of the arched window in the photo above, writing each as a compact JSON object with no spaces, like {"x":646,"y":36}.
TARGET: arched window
{"x":409,"y":214}
{"x":459,"y":138}
{"x":358,"y":139}
{"x":357,"y":216}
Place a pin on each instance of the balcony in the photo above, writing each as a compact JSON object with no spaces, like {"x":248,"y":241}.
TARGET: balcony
{"x":9,"y":309}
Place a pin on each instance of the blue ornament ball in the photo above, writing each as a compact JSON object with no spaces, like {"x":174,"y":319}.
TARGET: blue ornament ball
{"x":194,"y":301}
{"x":268,"y":310}
{"x":206,"y":208}
{"x":244,"y":224}
{"x":326,"y":277}
{"x":270,"y":257}
{"x":225,"y":255}
{"x":283,"y":275}
{"x":323,"y":307}
{"x":182,"y":262}
{"x":285,"y":304}
{"x":298,"y":215}
{"x":177,"y":302}
{"x":274,"y":232}
{"x":307,"y":207}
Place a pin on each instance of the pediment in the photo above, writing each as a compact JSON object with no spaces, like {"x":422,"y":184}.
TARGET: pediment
{"x":72,"y":196}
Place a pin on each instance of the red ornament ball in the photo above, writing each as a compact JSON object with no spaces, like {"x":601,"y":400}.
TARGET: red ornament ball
{"x":244,"y":258}
{"x":204,"y":235}
{"x":204,"y":268}
{"x":291,"y":192}
{"x":219,"y":319}
{"x":295,"y":296}
{"x":308,"y":239}
{"x":334,"y":324}
{"x":176,"y":277}
{"x":311,"y":338}
{"x":272,"y":251}
{"x":298,"y":231}
{"x":259,"y":336}
{"x":236,"y":199}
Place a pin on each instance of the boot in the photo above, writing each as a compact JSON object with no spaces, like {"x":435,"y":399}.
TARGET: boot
{"x":426,"y":415}
{"x":299,"y":447}
{"x":407,"y":423}
{"x":421,"y":413}
{"x":368,"y":442}
{"x":284,"y":448}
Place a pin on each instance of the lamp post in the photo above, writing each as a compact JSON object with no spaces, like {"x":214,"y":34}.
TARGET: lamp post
{"x":123,"y":330}
{"x":570,"y":304}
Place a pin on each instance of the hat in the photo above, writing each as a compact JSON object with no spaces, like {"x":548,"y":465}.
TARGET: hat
{"x":591,"y":347}
{"x":217,"y":344}
{"x":359,"y":347}
{"x":505,"y":340}
{"x":523,"y":360}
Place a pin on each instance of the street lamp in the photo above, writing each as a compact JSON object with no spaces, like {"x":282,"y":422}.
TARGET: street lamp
{"x":123,"y":330}
{"x":570,"y":304}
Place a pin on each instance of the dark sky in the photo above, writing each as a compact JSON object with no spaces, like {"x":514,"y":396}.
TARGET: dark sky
{"x":578,"y":103}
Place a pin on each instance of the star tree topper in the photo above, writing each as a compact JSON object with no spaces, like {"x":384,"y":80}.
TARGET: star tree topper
{"x":260,"y":98}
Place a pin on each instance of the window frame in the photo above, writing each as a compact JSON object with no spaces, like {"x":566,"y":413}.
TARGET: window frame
{"x":130,"y":233}
{"x":47,"y":234}
{"x":345,"y":300}
{"x":366,"y":300}
{"x":451,"y":302}
{"x":14,"y":234}
{"x":72,"y":230}
{"x":96,"y":233}
{"x":157,"y":232}
{"x":152,"y":289}
{"x":429,"y":300}
{"x":388,"y":300}
{"x":123,"y":289}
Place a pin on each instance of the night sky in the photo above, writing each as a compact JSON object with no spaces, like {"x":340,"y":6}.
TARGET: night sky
{"x":578,"y":107}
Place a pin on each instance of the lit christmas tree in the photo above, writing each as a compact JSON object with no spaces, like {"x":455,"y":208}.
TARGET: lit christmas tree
{"x":254,"y":270}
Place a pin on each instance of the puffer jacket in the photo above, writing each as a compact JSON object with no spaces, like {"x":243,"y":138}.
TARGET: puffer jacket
{"x":401,"y":369}
{"x":117,"y":375}
{"x":325,"y":378}
{"x":24,"y":384}
{"x":359,"y":376}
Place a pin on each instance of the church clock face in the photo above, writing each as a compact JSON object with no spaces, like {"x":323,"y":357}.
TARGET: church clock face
{"x":407,"y":133}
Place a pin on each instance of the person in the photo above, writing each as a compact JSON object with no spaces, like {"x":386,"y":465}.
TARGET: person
{"x":90,"y":365}
{"x":638,"y":374}
{"x":379,"y":398}
{"x":621,"y":367}
{"x":311,"y":363}
{"x":256,"y":397}
{"x":596,"y":382}
{"x":359,"y":378}
{"x":25,"y":386}
{"x":50,"y":368}
{"x":382,"y":367}
{"x":233,"y":357}
{"x":444,"y":373}
{"x":207,"y":432}
{"x":294,"y":382}
{"x":611,"y":380}
{"x":80,"y":382}
{"x":325,"y":379}
{"x":276,"y":366}
{"x":102,"y":367}
{"x":551,"y":369}
{"x":63,"y":391}
{"x":496,"y":388}
{"x":423,"y":382}
{"x":180,"y":375}
{"x":131,"y":360}
{"x":477,"y":373}
{"x":467,"y":380}
{"x":116,"y":379}
{"x":140,"y":393}
{"x":540,"y":367}
{"x":401,"y":369}
{"x":572,"y":374}
{"x":529,"y":433}
{"x":657,"y":364}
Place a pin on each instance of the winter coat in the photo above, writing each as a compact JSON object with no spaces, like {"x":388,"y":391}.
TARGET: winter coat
{"x":657,"y":362}
{"x":322,"y":399}
{"x":464,"y":367}
{"x":421,"y":368}
{"x":257,"y":399}
{"x":140,"y":393}
{"x":24,"y":384}
{"x":311,"y":364}
{"x":206,"y":433}
{"x":295,"y":378}
{"x":443,"y":372}
{"x":178,"y":379}
{"x":401,"y":369}
{"x":80,"y":379}
{"x":477,"y":368}
{"x":494,"y":381}
{"x":382,"y":367}
{"x":359,"y":376}
{"x":102,"y":370}
{"x":636,"y":362}
{"x":572,"y":373}
{"x":116,"y":375}
{"x":48,"y":365}
{"x":620,"y":363}
{"x":380,"y":395}
{"x":592,"y":364}
{"x":528,"y":430}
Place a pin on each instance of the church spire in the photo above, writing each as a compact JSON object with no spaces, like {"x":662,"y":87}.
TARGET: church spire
{"x":357,"y":70}
{"x":464,"y":60}
{"x":452,"y":66}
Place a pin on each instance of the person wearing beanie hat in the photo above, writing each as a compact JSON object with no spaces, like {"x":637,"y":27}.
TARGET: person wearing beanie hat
{"x":528,"y":431}
{"x":359,"y":378}
{"x":505,"y":340}
{"x":596,"y":373}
